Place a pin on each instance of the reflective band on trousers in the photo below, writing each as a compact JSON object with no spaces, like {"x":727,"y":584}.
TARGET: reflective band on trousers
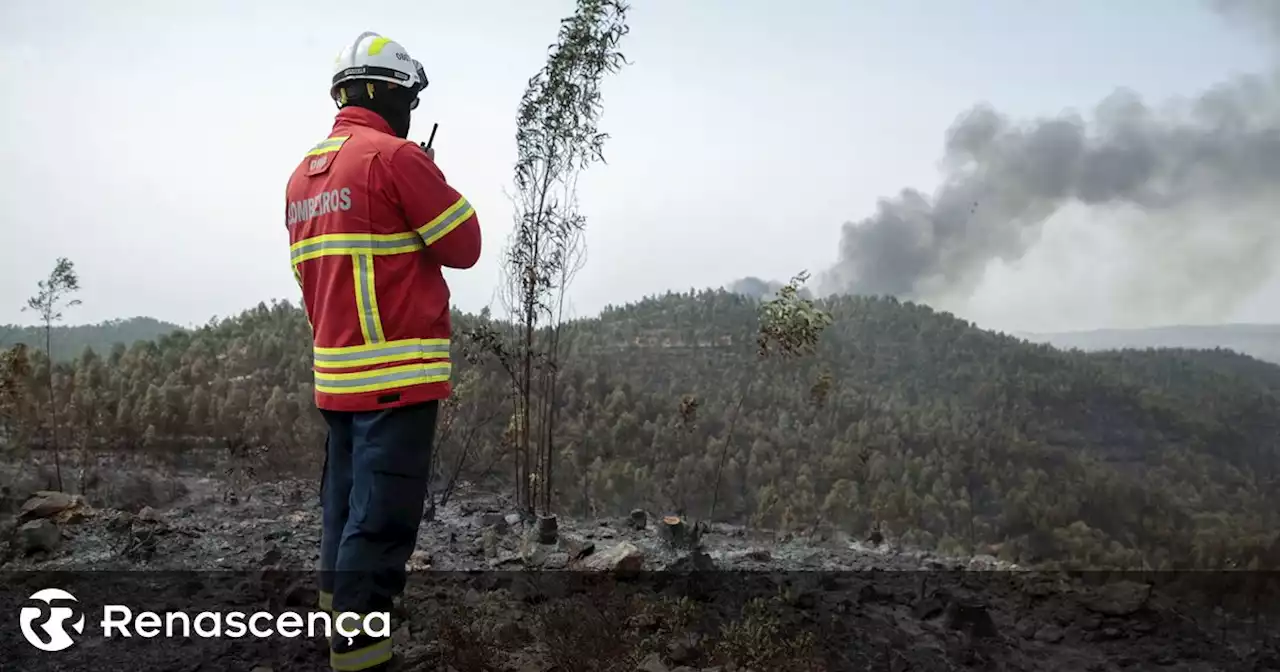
{"x":362,"y":659}
{"x":382,"y":379}
{"x":447,"y":221}
{"x":406,"y":350}
{"x":367,"y":298}
{"x":354,"y":243}
{"x":330,"y":145}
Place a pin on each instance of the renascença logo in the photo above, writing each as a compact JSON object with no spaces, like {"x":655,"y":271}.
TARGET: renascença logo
{"x":55,"y":627}
{"x":121,"y":621}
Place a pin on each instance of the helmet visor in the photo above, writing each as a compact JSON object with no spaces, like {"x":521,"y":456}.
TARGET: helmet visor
{"x":422,"y":83}
{"x":422,"y":77}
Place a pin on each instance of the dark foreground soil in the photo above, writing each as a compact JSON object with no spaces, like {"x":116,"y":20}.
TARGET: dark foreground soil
{"x":484,"y":595}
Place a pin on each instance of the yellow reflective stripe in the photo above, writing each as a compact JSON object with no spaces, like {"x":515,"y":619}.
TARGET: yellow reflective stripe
{"x":409,"y":349}
{"x":447,"y":221}
{"x":368,"y":240}
{"x":330,"y":145}
{"x":372,"y":296}
{"x":354,"y":243}
{"x":367,"y":298}
{"x":378,"y":346}
{"x":361,"y":659}
{"x":375,"y":47}
{"x":382,"y":379}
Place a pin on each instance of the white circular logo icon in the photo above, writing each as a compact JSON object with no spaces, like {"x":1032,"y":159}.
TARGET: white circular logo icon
{"x":53,"y":631}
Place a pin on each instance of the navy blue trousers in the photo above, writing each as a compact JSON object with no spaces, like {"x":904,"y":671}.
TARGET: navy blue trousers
{"x":374,"y":489}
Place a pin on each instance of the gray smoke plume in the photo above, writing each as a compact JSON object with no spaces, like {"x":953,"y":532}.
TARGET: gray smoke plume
{"x":1207,"y":167}
{"x":1263,"y":15}
{"x":758,"y":288}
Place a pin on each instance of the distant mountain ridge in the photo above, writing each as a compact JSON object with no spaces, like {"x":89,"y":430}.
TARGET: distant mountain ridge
{"x":1261,"y":341}
{"x":69,"y":341}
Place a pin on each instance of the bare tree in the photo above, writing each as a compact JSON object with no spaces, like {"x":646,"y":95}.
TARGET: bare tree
{"x":684,"y":425}
{"x":54,"y":297}
{"x":790,"y":327}
{"x":463,"y":416}
{"x":557,"y":138}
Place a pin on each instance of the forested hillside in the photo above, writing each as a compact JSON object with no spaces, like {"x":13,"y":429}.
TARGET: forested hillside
{"x":69,"y":342}
{"x":1256,"y":340}
{"x":944,"y":435}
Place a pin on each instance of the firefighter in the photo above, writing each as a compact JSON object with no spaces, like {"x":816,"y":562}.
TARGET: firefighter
{"x":371,"y":223}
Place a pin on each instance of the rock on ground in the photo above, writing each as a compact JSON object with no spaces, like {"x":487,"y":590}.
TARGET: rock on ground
{"x":39,"y":536}
{"x":46,"y":503}
{"x":623,"y":557}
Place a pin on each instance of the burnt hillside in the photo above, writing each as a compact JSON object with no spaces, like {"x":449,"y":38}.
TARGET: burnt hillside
{"x":948,"y":436}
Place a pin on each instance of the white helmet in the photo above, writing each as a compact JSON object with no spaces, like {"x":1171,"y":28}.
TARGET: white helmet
{"x":372,"y":56}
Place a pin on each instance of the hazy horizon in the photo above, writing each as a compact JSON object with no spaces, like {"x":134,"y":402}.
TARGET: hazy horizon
{"x":160,"y":171}
{"x":34,"y":322}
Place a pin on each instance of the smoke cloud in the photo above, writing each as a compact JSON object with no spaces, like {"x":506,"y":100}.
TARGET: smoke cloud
{"x":758,"y":288}
{"x":1165,"y":179}
{"x":1263,"y":15}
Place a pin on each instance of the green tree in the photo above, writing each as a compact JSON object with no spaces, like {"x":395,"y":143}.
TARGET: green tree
{"x":54,"y":296}
{"x":557,"y":137}
{"x":790,"y":326}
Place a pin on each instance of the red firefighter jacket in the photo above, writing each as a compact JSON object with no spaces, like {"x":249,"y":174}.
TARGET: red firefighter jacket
{"x":371,"y":222}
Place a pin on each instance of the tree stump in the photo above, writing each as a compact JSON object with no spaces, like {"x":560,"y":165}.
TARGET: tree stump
{"x":548,"y":529}
{"x":639,"y":519}
{"x":675,"y":532}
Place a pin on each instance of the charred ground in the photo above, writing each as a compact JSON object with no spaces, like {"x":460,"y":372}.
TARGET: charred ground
{"x":484,"y":594}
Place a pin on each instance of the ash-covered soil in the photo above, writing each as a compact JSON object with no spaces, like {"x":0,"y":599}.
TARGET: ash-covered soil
{"x":486,"y":594}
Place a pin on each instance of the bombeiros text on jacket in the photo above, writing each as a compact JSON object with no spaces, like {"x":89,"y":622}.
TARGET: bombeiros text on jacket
{"x":323,"y":203}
